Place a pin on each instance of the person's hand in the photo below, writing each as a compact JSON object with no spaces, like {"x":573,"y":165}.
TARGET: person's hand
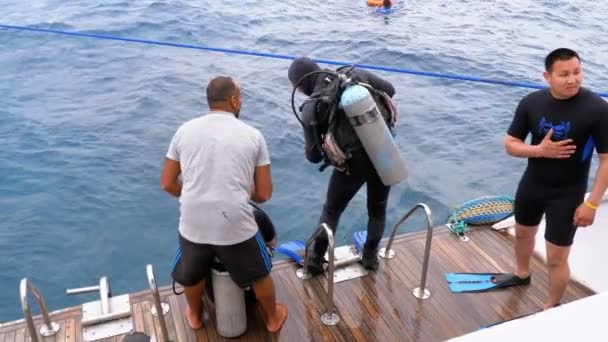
{"x":556,"y":149}
{"x":272,"y":243}
{"x":584,"y":215}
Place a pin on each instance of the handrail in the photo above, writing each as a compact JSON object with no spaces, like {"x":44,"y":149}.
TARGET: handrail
{"x":329,"y":317}
{"x":420,"y":292}
{"x":104,"y":291}
{"x":160,"y":313}
{"x":104,"y":294}
{"x":48,"y":328}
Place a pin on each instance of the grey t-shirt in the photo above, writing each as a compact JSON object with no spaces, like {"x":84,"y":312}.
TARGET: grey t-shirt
{"x":218,"y":154}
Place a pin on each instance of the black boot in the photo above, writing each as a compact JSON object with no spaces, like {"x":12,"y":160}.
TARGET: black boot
{"x":315,"y":264}
{"x":369,"y":258}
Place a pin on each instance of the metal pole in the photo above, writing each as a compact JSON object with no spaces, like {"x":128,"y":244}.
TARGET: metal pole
{"x":82,"y":290}
{"x":157,"y":303}
{"x":104,"y":290}
{"x":49,"y":328}
{"x":422,"y":292}
{"x":329,"y":317}
{"x":387,"y":249}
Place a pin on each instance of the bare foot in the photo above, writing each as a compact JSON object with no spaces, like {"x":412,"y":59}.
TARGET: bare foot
{"x":194,"y":321}
{"x":275,"y":324}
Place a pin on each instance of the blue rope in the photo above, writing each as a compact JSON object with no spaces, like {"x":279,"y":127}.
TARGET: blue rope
{"x":278,"y":56}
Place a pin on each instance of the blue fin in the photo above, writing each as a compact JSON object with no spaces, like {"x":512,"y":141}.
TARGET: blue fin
{"x":477,"y":283}
{"x":472,"y":287}
{"x":469,"y":277}
{"x":359,"y":239}
{"x":293,"y":249}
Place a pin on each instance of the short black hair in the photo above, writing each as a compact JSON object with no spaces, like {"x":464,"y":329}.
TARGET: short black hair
{"x":561,"y":54}
{"x":220,"y":89}
{"x":386,"y":3}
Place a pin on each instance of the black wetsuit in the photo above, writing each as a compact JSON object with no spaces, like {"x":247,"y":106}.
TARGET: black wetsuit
{"x":344,"y":185}
{"x":556,"y":187}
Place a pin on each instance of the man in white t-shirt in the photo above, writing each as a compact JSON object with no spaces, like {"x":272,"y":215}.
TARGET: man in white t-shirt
{"x":223,"y":163}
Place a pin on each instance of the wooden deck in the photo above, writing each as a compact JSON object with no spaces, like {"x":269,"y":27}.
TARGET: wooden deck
{"x":378,"y":307}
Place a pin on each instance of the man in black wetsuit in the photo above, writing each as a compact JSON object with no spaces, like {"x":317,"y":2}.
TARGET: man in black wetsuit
{"x":359,"y":170}
{"x":566,"y":121}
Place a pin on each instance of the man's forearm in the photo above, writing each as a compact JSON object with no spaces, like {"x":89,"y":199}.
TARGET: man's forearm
{"x":174,"y":189}
{"x":600,"y":184}
{"x":522,"y":150}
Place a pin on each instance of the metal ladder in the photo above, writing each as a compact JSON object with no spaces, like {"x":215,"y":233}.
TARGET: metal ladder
{"x":105,"y":314}
{"x":329,"y":317}
{"x":387,"y":253}
{"x":48,"y":328}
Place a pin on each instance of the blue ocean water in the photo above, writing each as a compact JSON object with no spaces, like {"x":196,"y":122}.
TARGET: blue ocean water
{"x":85,"y":123}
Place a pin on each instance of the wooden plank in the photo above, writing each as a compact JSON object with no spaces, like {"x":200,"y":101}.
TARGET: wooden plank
{"x":289,"y":295}
{"x":169,"y":319}
{"x":70,"y":330}
{"x":353,"y":310}
{"x":20,"y":335}
{"x":60,"y":336}
{"x":138,"y":318}
{"x":9,"y":336}
{"x":78,"y":328}
{"x":180,"y":324}
{"x":417,"y":314}
{"x":310,"y":300}
{"x":168,"y":322}
{"x":149,"y":327}
{"x":209,"y":331}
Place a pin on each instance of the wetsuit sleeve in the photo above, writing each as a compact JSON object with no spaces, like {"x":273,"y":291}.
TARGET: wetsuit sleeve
{"x":376,"y":82}
{"x":600,"y":130}
{"x":312,"y":131}
{"x":520,"y":126}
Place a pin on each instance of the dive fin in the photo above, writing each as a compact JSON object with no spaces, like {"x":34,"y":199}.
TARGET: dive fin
{"x":359,"y":240}
{"x":293,"y":249}
{"x":495,"y":281}
{"x":469,"y":277}
{"x":472,"y":287}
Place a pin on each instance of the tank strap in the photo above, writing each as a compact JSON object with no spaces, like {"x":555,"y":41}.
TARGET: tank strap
{"x":367,"y":117}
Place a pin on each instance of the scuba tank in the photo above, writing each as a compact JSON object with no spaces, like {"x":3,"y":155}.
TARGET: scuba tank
{"x":230,"y":308}
{"x":375,"y":136}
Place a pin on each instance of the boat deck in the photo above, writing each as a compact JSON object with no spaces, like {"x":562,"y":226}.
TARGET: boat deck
{"x":374,"y":307}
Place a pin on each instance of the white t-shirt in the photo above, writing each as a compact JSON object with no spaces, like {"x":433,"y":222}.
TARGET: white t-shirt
{"x":218,"y":154}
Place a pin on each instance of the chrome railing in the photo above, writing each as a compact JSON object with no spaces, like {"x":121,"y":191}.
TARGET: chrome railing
{"x":159,"y":309}
{"x":420,"y":292}
{"x":329,"y":317}
{"x":48,"y":328}
{"x":107,"y":312}
{"x":104,"y":293}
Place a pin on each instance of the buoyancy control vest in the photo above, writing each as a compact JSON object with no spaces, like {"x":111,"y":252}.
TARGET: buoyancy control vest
{"x":342,"y":134}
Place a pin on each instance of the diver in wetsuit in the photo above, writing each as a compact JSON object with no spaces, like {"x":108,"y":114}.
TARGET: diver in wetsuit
{"x":565,"y":121}
{"x":346,"y":178}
